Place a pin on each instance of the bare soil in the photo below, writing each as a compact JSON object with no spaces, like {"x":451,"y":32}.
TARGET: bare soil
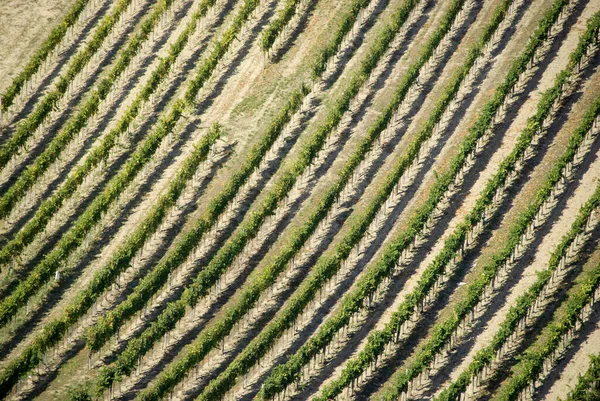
{"x":24,"y":24}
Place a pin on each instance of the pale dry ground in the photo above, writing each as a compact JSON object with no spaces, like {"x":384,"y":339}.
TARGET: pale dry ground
{"x":24,"y":24}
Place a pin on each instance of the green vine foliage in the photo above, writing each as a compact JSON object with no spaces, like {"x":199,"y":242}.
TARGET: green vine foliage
{"x":354,"y":370}
{"x":268,"y":36}
{"x":220,"y":48}
{"x":285,"y":374}
{"x":139,"y":346}
{"x":333,"y":46}
{"x":102,"y":279}
{"x":152,"y":282}
{"x":94,"y":213}
{"x":54,"y":331}
{"x":50,"y":101}
{"x":99,"y":334}
{"x":41,"y":55}
{"x":353,"y":237}
{"x":79,"y":121}
{"x":226,"y":255}
{"x":289,"y":319}
{"x":531,"y":365}
{"x":71,"y":240}
{"x":325,"y":268}
{"x":588,"y":384}
{"x":50,"y":206}
{"x":443,"y":332}
{"x":523,"y":304}
{"x":484,"y":357}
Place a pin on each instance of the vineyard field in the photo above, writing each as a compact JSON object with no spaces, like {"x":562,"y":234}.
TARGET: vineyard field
{"x":271,"y":200}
